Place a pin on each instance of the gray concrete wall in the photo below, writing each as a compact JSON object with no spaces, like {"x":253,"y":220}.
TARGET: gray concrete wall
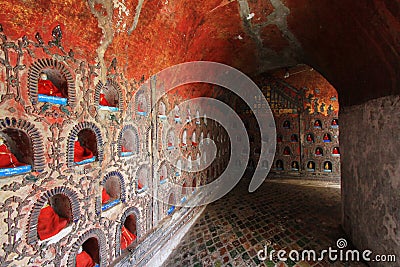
{"x":370,"y":149}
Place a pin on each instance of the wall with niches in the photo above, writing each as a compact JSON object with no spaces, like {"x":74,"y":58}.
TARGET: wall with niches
{"x":307,"y":124}
{"x":111,"y":117}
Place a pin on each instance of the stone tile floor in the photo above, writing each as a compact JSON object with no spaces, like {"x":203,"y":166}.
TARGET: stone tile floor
{"x":286,"y":214}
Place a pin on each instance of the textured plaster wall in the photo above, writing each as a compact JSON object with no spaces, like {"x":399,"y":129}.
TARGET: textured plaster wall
{"x":370,"y":174}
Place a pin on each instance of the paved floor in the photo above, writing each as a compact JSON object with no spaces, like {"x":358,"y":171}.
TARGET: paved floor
{"x":284,"y":214}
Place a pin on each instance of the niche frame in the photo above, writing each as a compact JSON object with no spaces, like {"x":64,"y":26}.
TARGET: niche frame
{"x":33,"y":78}
{"x":148,"y":104}
{"x":32,"y":234}
{"x":117,"y":87}
{"x":36,"y":139}
{"x":136,"y":149}
{"x":131,"y":210}
{"x":101,"y":241}
{"x":74,"y":133}
{"x":113,"y":203}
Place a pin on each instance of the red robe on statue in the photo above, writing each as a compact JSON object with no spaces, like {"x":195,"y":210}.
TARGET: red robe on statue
{"x":103,"y":101}
{"x":7,"y":159}
{"x":104,"y":196}
{"x":46,"y":87}
{"x":49,"y":223}
{"x":81,"y":153}
{"x":123,"y":149}
{"x":126,"y":238}
{"x":83,"y":259}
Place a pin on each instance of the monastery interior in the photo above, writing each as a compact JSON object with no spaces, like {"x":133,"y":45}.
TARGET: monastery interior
{"x":89,"y":134}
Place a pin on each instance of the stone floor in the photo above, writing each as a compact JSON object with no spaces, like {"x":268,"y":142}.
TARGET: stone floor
{"x":281,"y":214}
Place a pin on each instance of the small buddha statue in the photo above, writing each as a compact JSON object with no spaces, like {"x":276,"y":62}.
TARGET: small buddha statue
{"x":279,"y":139}
{"x":317,"y":124}
{"x":318,"y":151}
{"x":170,"y":141}
{"x":293,"y":138}
{"x":105,"y":197}
{"x":326,"y":166}
{"x":334,"y":122}
{"x":49,"y":223}
{"x":176,"y":111}
{"x":310,"y":165}
{"x":326,"y":138}
{"x":286,"y":151}
{"x":80,"y":152}
{"x":124,"y":149}
{"x":7,"y":158}
{"x":140,"y":106}
{"x":140,"y":185}
{"x":83,"y":259}
{"x":295,"y":165}
{"x":127,"y":238}
{"x":194,"y":141}
{"x":103,"y":101}
{"x":309,"y":138}
{"x":335,"y":151}
{"x":46,"y":87}
{"x":286,"y":124}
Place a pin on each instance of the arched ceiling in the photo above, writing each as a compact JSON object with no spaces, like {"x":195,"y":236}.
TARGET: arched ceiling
{"x":354,"y":44}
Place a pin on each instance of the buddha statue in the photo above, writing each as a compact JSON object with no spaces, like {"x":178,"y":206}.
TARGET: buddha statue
{"x":286,"y":124}
{"x":177,"y":114}
{"x":83,"y":259}
{"x":124,"y":149}
{"x":103,"y":101}
{"x":309,"y":138}
{"x":105,"y":197}
{"x":335,"y":151}
{"x":295,"y":165}
{"x":80,"y":152}
{"x":127,"y":238}
{"x":286,"y":151}
{"x":46,"y":87}
{"x":310,"y":165}
{"x":293,"y":138}
{"x":318,"y":152}
{"x":326,"y":166}
{"x":140,"y":107}
{"x":326,"y":138}
{"x":7,"y":158}
{"x":279,"y":139}
{"x":317,"y":124}
{"x":170,"y":142}
{"x":334,"y":122}
{"x":194,"y":141}
{"x":50,"y":223}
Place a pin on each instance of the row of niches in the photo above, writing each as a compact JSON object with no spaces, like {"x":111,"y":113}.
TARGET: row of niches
{"x":53,"y":215}
{"x":51,"y":81}
{"x":316,"y":124}
{"x":176,"y":115}
{"x":309,"y":138}
{"x":22,"y":151}
{"x":319,"y":151}
{"x":311,"y":166}
{"x":190,"y":138}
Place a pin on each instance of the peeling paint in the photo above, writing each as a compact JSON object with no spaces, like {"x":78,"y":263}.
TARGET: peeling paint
{"x":137,"y":14}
